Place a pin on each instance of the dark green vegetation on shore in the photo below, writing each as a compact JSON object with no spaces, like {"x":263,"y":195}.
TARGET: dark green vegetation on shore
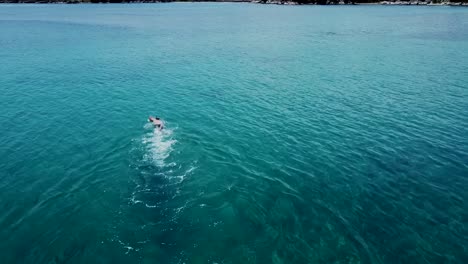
{"x":279,"y":2}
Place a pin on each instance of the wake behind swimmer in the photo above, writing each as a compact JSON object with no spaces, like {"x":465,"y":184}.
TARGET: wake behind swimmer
{"x":158,"y":142}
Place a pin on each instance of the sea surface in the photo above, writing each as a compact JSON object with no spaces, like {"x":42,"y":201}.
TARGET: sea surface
{"x":294,"y":134}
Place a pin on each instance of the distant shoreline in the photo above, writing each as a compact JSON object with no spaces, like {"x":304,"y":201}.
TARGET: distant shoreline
{"x":273,"y":2}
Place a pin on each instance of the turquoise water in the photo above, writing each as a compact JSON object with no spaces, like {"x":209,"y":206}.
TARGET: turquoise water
{"x":294,"y":134}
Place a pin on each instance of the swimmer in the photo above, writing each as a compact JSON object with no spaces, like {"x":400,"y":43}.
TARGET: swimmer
{"x":157,"y":122}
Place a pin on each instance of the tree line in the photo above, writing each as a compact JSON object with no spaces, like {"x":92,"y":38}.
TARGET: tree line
{"x":317,"y":2}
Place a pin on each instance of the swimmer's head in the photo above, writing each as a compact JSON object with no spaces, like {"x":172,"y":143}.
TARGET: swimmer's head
{"x":157,"y":118}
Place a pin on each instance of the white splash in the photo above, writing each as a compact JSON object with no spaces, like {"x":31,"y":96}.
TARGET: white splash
{"x":159,"y":144}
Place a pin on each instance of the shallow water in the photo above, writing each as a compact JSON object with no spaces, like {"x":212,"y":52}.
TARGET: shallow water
{"x":295,"y":134}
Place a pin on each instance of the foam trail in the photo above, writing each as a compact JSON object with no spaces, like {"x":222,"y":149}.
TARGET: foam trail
{"x":158,"y":190}
{"x":159,"y":144}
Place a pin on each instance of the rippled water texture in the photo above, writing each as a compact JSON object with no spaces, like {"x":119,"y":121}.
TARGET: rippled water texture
{"x":300,"y":134}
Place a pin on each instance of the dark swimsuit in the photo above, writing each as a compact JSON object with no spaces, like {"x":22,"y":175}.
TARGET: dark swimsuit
{"x":157,"y":125}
